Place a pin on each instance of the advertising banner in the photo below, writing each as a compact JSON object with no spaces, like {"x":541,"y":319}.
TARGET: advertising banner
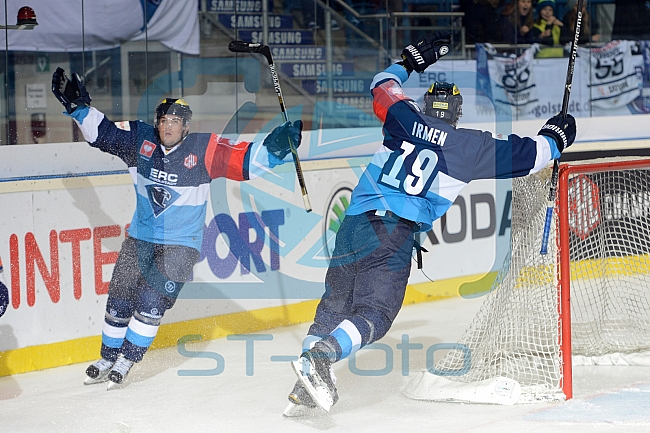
{"x":608,"y":81}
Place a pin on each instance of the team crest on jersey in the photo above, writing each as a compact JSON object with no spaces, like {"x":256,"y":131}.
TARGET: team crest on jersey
{"x":147,"y":149}
{"x":160,"y":198}
{"x":190,"y":161}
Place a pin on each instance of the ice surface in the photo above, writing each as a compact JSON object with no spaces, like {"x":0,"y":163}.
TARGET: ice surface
{"x":217,"y":390}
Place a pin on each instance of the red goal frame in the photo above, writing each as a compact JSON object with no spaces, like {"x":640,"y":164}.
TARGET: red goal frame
{"x":563,"y":263}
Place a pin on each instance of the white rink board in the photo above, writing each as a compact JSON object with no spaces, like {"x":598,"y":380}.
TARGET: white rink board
{"x":42,"y":208}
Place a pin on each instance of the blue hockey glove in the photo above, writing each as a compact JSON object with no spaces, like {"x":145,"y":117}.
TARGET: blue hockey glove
{"x":561,"y":129}
{"x":70,"y":92}
{"x":277,"y":142}
{"x":426,"y":51}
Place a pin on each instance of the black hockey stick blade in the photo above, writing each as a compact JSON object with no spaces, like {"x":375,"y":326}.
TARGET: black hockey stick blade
{"x":243,"y":47}
{"x":248,"y":47}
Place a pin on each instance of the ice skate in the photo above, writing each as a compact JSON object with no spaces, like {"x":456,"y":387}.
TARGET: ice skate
{"x":120,"y":370}
{"x":313,"y":371}
{"x":300,"y":403}
{"x":98,"y":372}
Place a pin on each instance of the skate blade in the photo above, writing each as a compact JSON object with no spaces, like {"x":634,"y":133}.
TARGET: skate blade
{"x":320,"y":396}
{"x":300,"y":411}
{"x":91,"y":381}
{"x":112,"y":385}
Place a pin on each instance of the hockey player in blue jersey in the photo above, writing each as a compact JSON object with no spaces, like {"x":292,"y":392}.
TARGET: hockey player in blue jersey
{"x":412,"y":180}
{"x":171,"y":170}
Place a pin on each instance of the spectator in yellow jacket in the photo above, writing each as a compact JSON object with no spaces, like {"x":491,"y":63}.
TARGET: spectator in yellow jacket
{"x":547,"y":28}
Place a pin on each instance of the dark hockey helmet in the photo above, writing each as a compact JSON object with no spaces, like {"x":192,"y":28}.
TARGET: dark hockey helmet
{"x":444,"y":101}
{"x":174,"y":107}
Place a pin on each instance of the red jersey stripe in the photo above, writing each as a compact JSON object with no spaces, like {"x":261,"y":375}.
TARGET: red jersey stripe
{"x":385,"y":95}
{"x":225,"y":158}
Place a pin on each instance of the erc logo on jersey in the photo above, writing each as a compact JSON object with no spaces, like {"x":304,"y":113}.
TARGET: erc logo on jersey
{"x":190,"y":161}
{"x":147,"y":149}
{"x":160,"y":198}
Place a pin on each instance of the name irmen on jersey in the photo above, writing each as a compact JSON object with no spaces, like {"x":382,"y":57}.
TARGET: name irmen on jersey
{"x":428,"y":133}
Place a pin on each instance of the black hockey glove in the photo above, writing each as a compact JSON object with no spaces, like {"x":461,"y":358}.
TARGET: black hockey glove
{"x":426,"y":51}
{"x":277,"y":142}
{"x":70,"y":92}
{"x":561,"y":129}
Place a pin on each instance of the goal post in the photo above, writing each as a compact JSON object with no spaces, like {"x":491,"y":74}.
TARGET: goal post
{"x":586,"y":302}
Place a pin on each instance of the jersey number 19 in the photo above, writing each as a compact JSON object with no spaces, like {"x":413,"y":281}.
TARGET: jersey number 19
{"x":422,"y":167}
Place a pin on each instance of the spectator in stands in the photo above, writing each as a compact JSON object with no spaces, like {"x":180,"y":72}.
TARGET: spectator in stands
{"x":589,"y":29}
{"x":516,"y":22}
{"x":547,"y":28}
{"x":480,"y":20}
{"x":632,"y":20}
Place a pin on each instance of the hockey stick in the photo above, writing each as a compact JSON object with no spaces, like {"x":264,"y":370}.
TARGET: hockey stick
{"x":245,"y":47}
{"x":565,"y":108}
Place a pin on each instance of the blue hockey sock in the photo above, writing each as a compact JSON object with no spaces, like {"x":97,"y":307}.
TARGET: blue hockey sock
{"x":344,"y":340}
{"x":116,"y":320}
{"x":139,"y":337}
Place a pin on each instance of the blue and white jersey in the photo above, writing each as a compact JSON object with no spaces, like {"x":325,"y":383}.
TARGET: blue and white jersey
{"x":424,"y":162}
{"x":171,"y":189}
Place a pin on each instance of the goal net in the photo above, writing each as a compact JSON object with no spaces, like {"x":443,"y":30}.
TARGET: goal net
{"x":526,"y":329}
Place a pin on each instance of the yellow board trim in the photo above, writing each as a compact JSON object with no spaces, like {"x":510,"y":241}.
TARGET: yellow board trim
{"x":59,"y":183}
{"x":87,"y":349}
{"x":627,"y":266}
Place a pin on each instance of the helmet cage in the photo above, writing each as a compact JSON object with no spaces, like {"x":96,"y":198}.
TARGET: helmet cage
{"x":444,"y":101}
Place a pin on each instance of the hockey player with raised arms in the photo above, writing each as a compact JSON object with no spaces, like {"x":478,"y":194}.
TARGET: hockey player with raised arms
{"x":171,"y":170}
{"x":412,"y":180}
